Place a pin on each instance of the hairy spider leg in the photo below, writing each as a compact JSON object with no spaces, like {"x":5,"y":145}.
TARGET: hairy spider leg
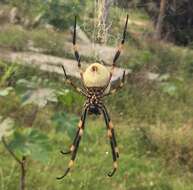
{"x":80,"y":90}
{"x":80,"y":124}
{"x":113,"y":143}
{"x":76,"y":53}
{"x":110,"y":126}
{"x":121,"y":84}
{"x":118,"y":52}
{"x":106,"y":86}
{"x":77,"y":56}
{"x":76,"y":142}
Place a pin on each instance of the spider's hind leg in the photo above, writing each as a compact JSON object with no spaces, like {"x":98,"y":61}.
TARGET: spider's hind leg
{"x":76,"y":142}
{"x":113,"y":143}
{"x":80,"y":124}
{"x":110,"y":126}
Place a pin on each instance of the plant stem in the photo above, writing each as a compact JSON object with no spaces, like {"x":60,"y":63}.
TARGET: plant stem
{"x":22,"y":164}
{"x":10,"y":151}
{"x":23,"y":173}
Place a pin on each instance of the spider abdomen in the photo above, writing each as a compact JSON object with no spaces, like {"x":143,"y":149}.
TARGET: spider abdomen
{"x":96,"y":75}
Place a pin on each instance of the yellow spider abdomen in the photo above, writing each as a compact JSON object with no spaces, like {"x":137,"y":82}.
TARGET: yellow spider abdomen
{"x":96,"y":75}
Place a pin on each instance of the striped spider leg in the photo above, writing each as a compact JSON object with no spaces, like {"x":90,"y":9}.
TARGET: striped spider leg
{"x":121,"y":84}
{"x":111,"y":135}
{"x":76,"y":142}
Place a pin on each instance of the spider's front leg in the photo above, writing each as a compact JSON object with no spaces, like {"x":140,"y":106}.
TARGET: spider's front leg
{"x":79,"y":90}
{"x":77,"y":56}
{"x":76,"y":142}
{"x":118,"y":87}
{"x":118,"y":52}
{"x":111,"y":135}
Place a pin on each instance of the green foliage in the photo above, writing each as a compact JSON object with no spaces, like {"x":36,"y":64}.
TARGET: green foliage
{"x":18,"y":39}
{"x":6,"y":91}
{"x":60,"y":13}
{"x":188,"y":65}
{"x":31,"y":142}
{"x":174,"y":143}
{"x":29,"y":8}
{"x":48,"y":41}
{"x":140,"y":59}
{"x":31,"y":93}
{"x":169,"y":88}
{"x":8,"y":71}
{"x":14,"y":38}
{"x":69,"y":99}
{"x":65,"y":123}
{"x":6,"y":127}
{"x":174,"y":87}
{"x":39,"y":97}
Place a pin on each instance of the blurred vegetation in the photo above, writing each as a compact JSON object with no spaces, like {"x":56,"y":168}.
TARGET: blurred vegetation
{"x":153,"y":118}
{"x":61,"y":13}
{"x":178,"y":22}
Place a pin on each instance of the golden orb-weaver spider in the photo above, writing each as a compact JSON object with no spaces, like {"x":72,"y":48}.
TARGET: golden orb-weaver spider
{"x":96,"y":84}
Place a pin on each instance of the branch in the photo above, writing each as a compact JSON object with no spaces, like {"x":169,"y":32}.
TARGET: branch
{"x":10,"y":151}
{"x":23,"y":173}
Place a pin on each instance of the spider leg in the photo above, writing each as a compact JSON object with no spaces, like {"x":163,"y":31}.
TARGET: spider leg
{"x":105,"y":87}
{"x":110,"y":126}
{"x":113,"y":143}
{"x":77,"y":56}
{"x":80,"y":90}
{"x":76,"y":144}
{"x":118,"y":52}
{"x":76,"y":53}
{"x":80,"y":125}
{"x":118,"y":87}
{"x":74,"y":141}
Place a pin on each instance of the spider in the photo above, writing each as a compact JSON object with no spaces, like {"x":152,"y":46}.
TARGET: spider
{"x":96,"y":85}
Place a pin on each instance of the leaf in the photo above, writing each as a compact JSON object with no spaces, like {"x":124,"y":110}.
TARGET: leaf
{"x":33,"y":143}
{"x":6,"y":91}
{"x":6,"y":127}
{"x":26,"y":83}
{"x":19,"y":144}
{"x":65,"y":96}
{"x":169,"y":88}
{"x":8,"y":73}
{"x":71,"y":131}
{"x":26,"y":96}
{"x":65,"y":122}
{"x":40,"y":97}
{"x":164,"y":77}
{"x":39,"y":153}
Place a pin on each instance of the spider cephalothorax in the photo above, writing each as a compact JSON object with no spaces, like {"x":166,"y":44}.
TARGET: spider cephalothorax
{"x":96,"y":84}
